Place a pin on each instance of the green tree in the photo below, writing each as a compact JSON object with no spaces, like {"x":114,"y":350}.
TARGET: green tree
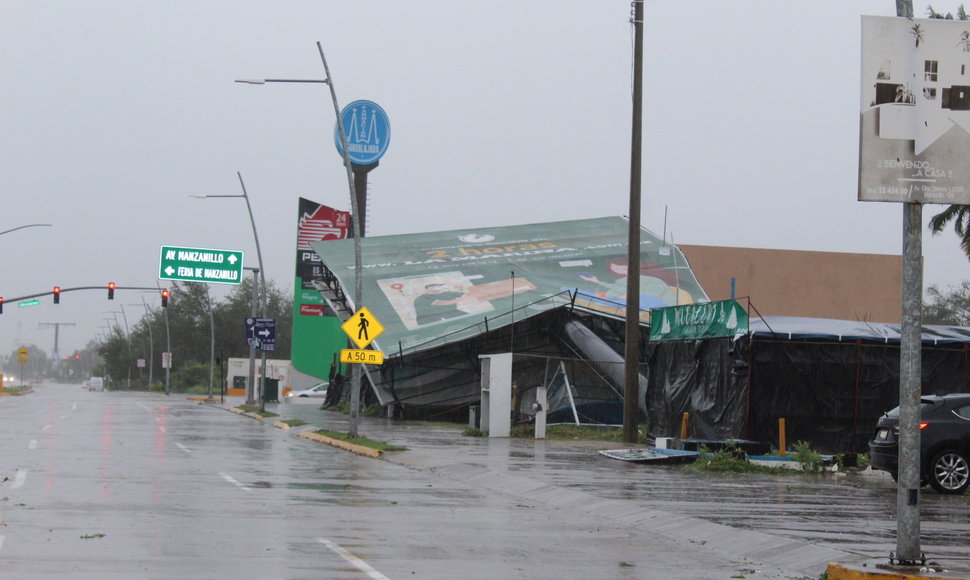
{"x":951,"y":306}
{"x":958,"y":215}
{"x":113,"y":351}
{"x":189,"y":327}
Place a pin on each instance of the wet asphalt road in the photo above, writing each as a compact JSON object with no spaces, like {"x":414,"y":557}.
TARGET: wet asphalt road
{"x":116,"y":485}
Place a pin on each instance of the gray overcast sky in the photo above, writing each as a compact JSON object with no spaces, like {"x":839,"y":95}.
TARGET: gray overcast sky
{"x":112,"y":113}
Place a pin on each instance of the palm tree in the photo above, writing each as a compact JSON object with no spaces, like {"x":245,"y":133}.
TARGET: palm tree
{"x":959,"y":215}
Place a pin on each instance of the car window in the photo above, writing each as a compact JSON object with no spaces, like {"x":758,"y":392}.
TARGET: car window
{"x":963,"y":412}
{"x":924,"y":404}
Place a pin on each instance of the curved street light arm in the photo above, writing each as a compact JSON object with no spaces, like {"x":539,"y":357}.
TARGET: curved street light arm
{"x":26,"y":226}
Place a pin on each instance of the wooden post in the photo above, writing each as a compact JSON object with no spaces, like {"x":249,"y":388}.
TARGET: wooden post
{"x":782,"y":445}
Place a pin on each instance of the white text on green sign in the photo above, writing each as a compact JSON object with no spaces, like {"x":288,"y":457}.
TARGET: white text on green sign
{"x":200,"y":265}
{"x":27,"y":303}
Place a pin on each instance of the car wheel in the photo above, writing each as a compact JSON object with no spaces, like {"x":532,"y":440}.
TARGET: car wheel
{"x":950,"y":472}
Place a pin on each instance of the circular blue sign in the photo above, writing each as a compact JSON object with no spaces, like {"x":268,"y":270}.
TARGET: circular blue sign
{"x":368,"y":132}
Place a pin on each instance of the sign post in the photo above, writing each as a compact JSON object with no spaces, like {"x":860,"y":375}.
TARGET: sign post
{"x":200,"y":265}
{"x":22,"y":355}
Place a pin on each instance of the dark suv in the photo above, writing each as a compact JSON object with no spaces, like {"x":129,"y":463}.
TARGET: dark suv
{"x":944,"y":442}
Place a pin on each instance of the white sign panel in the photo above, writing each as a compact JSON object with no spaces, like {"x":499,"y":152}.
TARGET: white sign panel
{"x":915,"y":110}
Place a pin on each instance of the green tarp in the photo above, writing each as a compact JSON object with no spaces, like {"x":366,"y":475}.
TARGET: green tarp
{"x":429,"y":289}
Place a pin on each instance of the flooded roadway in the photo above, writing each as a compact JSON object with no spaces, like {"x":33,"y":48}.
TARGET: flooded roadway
{"x":116,"y":485}
{"x":853,"y":512}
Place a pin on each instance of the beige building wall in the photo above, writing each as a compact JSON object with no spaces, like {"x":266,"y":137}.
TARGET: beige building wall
{"x":799,"y":283}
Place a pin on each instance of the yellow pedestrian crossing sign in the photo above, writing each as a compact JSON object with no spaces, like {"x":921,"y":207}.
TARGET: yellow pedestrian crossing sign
{"x":362,"y":327}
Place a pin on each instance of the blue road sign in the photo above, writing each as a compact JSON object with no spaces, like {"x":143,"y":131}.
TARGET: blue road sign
{"x":261,"y":333}
{"x":368,"y":132}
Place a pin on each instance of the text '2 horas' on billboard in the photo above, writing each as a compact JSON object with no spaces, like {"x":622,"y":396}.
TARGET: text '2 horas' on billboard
{"x":317,"y":337}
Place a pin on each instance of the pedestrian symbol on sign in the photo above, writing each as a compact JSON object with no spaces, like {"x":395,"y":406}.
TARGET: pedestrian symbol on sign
{"x":362,"y":327}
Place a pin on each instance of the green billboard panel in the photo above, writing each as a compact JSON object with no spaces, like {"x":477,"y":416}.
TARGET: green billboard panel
{"x":428,"y":289}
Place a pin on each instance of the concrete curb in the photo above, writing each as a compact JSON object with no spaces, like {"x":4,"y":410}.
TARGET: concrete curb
{"x":249,"y":414}
{"x":358,"y":449}
{"x":876,"y":570}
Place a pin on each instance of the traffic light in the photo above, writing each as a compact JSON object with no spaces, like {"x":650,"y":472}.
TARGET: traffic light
{"x":164,"y":298}
{"x":1,"y":304}
{"x":111,"y":290}
{"x":57,"y":294}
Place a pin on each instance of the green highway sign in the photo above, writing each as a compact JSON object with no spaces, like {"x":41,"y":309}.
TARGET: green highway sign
{"x":200,"y":265}
{"x":27,"y":303}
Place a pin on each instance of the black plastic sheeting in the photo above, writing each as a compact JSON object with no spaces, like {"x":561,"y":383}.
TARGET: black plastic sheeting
{"x":829,"y":380}
{"x":830,"y":392}
{"x":705,"y":378}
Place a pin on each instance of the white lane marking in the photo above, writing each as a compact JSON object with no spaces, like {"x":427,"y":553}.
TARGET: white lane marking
{"x":63,"y":417}
{"x":162,"y":429}
{"x":74,"y":406}
{"x":19,"y":478}
{"x":46,"y":427}
{"x":183,"y":447}
{"x":144,"y":406}
{"x":229,"y":478}
{"x":32,"y":444}
{"x":362,"y":565}
{"x":2,"y":538}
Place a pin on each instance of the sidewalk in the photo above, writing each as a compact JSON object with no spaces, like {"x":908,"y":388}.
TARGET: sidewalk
{"x":556,"y":473}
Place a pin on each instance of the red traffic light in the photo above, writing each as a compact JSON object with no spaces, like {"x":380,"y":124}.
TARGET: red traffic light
{"x":1,"y":304}
{"x":111,"y":290}
{"x":164,"y":298}
{"x":57,"y":294}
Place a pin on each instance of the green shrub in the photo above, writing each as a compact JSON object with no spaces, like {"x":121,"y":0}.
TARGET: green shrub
{"x":810,"y":459}
{"x":190,"y":378}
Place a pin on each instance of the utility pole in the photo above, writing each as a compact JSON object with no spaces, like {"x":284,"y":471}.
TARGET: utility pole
{"x":908,"y":550}
{"x":631,"y":353}
{"x":55,"y":354}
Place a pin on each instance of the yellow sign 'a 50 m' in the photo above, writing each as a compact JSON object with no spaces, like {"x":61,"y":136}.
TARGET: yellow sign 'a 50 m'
{"x":366,"y":357}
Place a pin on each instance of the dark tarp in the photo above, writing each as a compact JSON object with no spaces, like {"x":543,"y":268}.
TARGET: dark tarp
{"x":830,"y":380}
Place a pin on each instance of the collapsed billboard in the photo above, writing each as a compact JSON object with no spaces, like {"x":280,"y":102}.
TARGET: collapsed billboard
{"x":430,"y":289}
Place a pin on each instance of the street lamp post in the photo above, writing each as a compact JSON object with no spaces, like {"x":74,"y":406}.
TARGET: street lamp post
{"x":151,"y":341}
{"x":354,"y":216}
{"x":127,"y":340}
{"x":262,"y":282}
